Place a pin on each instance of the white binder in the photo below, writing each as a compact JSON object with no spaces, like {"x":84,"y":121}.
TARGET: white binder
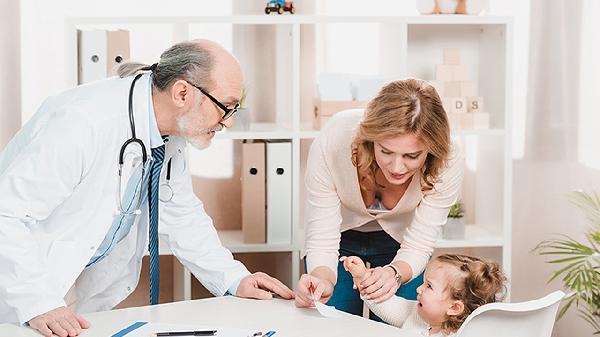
{"x":100,"y":52}
{"x":279,"y":192}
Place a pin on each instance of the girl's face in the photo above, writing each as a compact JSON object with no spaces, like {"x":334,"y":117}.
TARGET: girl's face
{"x":399,"y":158}
{"x":434,"y":301}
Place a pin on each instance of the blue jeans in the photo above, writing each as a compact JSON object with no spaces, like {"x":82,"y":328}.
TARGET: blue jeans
{"x":379,"y":249}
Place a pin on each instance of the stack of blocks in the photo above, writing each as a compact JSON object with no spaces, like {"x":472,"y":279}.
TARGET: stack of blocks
{"x":459,"y":95}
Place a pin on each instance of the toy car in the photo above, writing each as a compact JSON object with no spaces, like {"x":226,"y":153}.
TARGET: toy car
{"x":280,"y":6}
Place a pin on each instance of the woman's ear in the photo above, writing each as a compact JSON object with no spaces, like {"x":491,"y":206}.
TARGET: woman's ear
{"x":456,"y":308}
{"x":180,"y":92}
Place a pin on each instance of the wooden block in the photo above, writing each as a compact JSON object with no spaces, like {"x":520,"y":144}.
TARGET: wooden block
{"x":452,"y":89}
{"x":451,"y":56}
{"x":454,"y":104}
{"x":330,"y":108}
{"x":475,"y":104}
{"x":461,"y":120}
{"x":468,"y":88}
{"x":481,"y":120}
{"x":438,"y":86}
{"x":445,"y":72}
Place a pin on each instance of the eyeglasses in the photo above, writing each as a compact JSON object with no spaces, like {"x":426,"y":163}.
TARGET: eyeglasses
{"x":227,"y":112}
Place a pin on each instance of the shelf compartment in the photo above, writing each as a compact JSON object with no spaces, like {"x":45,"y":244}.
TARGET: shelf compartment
{"x":475,"y":236}
{"x":234,"y":241}
{"x":257,"y":131}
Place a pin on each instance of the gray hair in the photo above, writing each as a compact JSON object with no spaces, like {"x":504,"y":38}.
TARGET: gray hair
{"x":189,"y":61}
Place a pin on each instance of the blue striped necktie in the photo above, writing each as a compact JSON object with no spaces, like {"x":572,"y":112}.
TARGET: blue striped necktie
{"x":158,"y":153}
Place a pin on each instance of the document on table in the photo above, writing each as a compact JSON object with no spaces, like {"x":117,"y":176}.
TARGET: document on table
{"x":143,"y":329}
{"x":326,"y":310}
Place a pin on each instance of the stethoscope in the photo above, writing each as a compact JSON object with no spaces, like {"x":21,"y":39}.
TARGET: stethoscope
{"x":165,"y":189}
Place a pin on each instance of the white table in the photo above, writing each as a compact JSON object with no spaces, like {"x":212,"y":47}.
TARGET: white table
{"x":277,"y":314}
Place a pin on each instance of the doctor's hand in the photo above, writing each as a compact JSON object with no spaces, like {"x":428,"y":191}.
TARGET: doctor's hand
{"x":310,"y":289}
{"x":60,"y":321}
{"x":261,"y":286}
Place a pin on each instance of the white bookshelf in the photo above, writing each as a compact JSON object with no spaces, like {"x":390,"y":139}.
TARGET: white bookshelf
{"x":277,"y":55}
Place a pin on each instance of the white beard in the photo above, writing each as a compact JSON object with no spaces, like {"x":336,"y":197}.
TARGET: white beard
{"x":198,"y":142}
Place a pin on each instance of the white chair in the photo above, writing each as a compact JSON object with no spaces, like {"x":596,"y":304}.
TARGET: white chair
{"x":525,"y":319}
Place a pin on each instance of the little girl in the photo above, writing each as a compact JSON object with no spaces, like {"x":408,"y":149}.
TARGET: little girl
{"x":453,"y":287}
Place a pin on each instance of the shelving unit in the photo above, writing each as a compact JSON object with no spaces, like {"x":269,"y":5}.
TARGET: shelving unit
{"x":277,"y":54}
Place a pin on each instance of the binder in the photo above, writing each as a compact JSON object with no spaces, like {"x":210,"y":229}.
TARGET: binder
{"x":253,"y":192}
{"x":279,"y":192}
{"x":100,"y":52}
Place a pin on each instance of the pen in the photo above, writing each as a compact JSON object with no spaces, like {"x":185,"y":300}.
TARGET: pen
{"x":269,"y":334}
{"x":187,"y":333}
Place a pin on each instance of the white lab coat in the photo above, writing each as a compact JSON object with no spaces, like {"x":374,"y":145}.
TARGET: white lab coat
{"x":58,"y":197}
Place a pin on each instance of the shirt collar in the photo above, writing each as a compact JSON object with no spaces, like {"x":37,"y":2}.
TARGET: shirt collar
{"x":155,"y":138}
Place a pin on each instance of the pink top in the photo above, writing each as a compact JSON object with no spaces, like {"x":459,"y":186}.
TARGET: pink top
{"x":334,"y":203}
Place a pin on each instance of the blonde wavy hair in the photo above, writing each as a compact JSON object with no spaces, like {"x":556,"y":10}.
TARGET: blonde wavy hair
{"x":402,"y":107}
{"x":476,"y":282}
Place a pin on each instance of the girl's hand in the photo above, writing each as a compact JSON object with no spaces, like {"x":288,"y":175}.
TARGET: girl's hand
{"x":380,"y":285}
{"x":356,"y":267}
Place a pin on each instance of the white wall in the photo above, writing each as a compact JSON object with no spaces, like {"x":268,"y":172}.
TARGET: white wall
{"x":10,"y":60}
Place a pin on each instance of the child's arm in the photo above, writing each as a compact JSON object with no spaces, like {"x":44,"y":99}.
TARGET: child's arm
{"x":395,"y":310}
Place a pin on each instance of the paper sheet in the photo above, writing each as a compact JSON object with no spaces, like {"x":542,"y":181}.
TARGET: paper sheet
{"x":326,"y":310}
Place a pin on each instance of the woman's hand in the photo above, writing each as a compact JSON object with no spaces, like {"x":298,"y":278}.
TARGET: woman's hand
{"x":310,"y":289}
{"x":380,"y":285}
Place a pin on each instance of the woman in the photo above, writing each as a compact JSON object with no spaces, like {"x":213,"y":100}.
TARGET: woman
{"x":380,"y":185}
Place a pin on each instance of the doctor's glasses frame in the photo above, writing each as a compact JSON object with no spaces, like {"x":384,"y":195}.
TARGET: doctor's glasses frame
{"x":227,"y":112}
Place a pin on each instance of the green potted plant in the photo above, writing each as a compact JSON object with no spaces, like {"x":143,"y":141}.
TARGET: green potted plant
{"x":579,"y":262}
{"x":455,"y":226}
{"x":241,"y":119}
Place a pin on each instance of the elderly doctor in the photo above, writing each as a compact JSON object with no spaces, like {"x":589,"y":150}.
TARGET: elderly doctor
{"x":74,"y":227}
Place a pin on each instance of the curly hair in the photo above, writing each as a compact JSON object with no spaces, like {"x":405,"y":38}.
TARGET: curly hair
{"x":478,"y":282}
{"x":401,"y":107}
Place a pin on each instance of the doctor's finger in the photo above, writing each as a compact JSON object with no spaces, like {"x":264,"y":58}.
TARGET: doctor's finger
{"x":73,"y":322}
{"x":66,"y":324}
{"x":57,"y":329}
{"x":41,"y":327}
{"x":267,"y":282}
{"x":83,"y":322}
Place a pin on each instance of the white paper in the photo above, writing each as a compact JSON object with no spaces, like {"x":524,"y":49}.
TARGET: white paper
{"x":327,"y":311}
{"x":152,"y":328}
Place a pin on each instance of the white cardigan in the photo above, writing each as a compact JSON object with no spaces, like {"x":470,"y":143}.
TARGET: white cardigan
{"x":334,"y":203}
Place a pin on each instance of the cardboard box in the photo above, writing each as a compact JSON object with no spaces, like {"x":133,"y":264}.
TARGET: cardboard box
{"x":330,"y":108}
